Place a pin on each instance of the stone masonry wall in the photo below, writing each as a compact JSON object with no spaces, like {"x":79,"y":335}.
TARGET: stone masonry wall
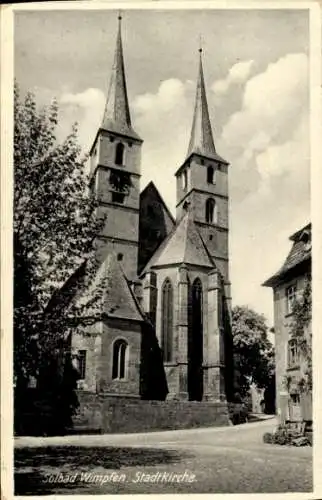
{"x":109,"y":414}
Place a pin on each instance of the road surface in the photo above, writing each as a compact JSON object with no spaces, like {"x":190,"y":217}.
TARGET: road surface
{"x":212,"y":460}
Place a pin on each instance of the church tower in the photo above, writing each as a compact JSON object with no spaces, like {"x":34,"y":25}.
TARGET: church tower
{"x":115,"y":159}
{"x":202,"y":182}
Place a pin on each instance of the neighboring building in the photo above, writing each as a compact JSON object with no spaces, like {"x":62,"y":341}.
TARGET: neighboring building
{"x":164,"y":330}
{"x":288,"y":283}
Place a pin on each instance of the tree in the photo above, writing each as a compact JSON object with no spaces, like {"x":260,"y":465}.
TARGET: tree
{"x":301,"y":332}
{"x":55,"y":225}
{"x":253,"y":352}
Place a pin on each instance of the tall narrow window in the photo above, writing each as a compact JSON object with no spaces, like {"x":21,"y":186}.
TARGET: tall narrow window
{"x":211,"y":212}
{"x":82,"y":364}
{"x":119,"y":154}
{"x":210,"y":175}
{"x":293,"y":354}
{"x":184,"y":180}
{"x":167,"y":320}
{"x":290,"y":298}
{"x":120,"y":349}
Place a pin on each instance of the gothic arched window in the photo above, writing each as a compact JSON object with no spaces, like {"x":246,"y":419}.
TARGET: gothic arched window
{"x":167,"y":320}
{"x":211,"y":212}
{"x":119,"y":154}
{"x":210,"y":175}
{"x":120,"y":354}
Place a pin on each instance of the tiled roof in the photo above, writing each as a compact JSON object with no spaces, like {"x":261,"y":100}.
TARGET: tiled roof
{"x":106,"y":283}
{"x":155,"y":223}
{"x":183,"y":245}
{"x":155,"y":192}
{"x":299,"y":253}
{"x":118,"y":300}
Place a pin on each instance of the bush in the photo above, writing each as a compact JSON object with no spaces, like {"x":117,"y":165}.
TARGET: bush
{"x":284,"y":435}
{"x":281,"y":437}
{"x":238,"y":413}
{"x":268,"y":438}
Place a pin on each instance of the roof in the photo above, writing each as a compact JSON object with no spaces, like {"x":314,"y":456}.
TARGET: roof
{"x":117,"y":116}
{"x":183,"y":245}
{"x":299,"y":254}
{"x":151,"y":186}
{"x":118,"y":300}
{"x":295,"y":236}
{"x":216,"y":157}
{"x":201,"y":138}
{"x":98,"y":289}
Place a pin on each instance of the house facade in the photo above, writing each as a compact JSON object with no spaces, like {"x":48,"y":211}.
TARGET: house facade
{"x":288,"y":284}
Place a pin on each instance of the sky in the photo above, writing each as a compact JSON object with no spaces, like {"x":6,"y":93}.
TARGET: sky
{"x":256,"y":66}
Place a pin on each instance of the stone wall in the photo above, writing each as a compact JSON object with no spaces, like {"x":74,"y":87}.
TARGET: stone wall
{"x":108,"y":414}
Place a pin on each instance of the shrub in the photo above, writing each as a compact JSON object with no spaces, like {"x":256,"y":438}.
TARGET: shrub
{"x":281,"y":437}
{"x":268,"y":438}
{"x":284,"y":435}
{"x":238,"y":413}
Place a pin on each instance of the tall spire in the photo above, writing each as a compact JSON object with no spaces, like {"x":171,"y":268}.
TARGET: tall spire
{"x":201,"y":139}
{"x":117,"y":116}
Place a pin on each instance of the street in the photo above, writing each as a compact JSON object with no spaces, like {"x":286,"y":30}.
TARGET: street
{"x":212,"y":460}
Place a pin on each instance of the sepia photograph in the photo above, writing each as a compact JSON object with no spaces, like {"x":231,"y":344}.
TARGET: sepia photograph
{"x":161,"y":227}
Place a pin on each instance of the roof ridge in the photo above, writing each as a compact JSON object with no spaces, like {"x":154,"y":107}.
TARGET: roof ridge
{"x":159,"y":249}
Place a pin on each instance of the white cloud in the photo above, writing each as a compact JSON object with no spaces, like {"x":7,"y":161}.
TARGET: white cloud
{"x":170,"y":92}
{"x":267,"y":144}
{"x":275,"y":104}
{"x":163,"y":120}
{"x":238,"y":73}
{"x":86,"y":108}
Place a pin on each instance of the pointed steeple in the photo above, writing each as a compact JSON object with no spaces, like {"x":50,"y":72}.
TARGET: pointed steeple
{"x":201,"y":139}
{"x":117,"y":116}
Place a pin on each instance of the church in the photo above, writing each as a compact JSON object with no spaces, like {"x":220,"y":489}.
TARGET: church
{"x":164,"y":331}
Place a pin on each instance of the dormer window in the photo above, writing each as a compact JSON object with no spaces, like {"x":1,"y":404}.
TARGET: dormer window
{"x":119,"y":154}
{"x":210,"y":175}
{"x":306,"y":239}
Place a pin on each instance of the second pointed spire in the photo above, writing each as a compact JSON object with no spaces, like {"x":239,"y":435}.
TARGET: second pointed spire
{"x":201,"y":138}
